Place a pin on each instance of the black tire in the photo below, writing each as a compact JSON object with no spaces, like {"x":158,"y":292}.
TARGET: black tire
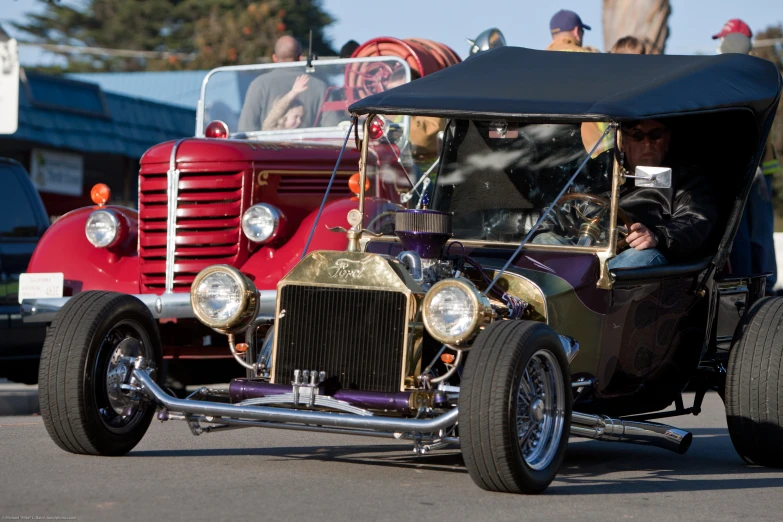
{"x":754,"y":385}
{"x":80,"y":343}
{"x":489,"y":397}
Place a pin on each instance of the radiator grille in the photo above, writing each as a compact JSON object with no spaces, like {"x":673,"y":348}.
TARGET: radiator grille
{"x":355,"y":335}
{"x":209,"y":209}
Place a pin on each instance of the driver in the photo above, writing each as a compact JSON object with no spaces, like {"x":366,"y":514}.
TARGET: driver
{"x":269,"y":87}
{"x":668,"y":224}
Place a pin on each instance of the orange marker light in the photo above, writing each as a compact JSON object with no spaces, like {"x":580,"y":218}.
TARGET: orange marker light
{"x":241,"y":347}
{"x":353,"y":183}
{"x":100,"y":194}
{"x":447,"y":358}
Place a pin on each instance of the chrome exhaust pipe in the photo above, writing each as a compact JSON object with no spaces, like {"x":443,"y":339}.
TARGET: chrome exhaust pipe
{"x":286,"y":415}
{"x":601,"y":427}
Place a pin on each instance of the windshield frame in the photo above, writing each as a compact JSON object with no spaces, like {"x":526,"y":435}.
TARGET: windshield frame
{"x":319,"y":131}
{"x":603,"y":253}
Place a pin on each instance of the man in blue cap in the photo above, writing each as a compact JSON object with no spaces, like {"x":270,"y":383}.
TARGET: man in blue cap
{"x":567,"y":31}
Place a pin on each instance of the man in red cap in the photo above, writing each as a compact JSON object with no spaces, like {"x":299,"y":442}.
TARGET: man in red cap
{"x":753,"y":251}
{"x":735,"y":25}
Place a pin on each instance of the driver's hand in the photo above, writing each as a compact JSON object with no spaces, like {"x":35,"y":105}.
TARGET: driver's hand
{"x":641,"y":237}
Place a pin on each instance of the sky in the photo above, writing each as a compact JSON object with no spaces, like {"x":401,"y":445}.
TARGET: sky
{"x":524,"y":23}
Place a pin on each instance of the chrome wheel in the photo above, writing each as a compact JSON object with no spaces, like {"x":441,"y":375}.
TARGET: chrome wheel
{"x":540,"y":409}
{"x":118,"y":405}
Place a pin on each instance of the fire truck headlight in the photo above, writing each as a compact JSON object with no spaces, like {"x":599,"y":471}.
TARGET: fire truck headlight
{"x":263,"y":223}
{"x":102,"y":229}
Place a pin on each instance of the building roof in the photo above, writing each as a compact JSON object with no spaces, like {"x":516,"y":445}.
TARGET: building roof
{"x":68,"y":114}
{"x":180,"y":88}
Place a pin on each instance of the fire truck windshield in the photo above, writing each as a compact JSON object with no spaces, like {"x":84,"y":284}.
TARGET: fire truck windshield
{"x":290,"y":98}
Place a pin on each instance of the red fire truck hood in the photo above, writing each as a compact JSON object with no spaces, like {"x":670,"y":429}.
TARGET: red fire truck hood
{"x":194,"y":150}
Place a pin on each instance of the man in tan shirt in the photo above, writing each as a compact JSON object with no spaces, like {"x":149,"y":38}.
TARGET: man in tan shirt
{"x":567,"y":32}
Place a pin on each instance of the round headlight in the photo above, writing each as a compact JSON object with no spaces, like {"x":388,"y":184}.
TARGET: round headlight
{"x":454,"y":311}
{"x":224,"y":299}
{"x":102,"y":228}
{"x":262,"y":223}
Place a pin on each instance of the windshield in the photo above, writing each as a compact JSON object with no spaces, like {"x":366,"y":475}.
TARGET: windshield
{"x":498,"y":178}
{"x":290,"y":97}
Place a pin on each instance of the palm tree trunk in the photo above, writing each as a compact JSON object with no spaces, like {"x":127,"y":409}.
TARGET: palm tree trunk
{"x":644,"y":19}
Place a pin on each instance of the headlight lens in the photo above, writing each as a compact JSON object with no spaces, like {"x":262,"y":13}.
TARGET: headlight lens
{"x":218,"y":297}
{"x":102,"y":228}
{"x":454,"y":311}
{"x":223,"y":299}
{"x":262,"y":223}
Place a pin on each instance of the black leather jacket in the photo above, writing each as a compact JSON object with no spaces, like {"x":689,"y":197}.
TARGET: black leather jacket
{"x":682,"y":217}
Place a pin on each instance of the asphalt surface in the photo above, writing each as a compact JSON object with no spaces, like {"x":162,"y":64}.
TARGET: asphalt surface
{"x":287,"y":475}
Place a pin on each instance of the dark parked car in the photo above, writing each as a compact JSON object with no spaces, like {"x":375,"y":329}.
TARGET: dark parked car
{"x":23,"y":220}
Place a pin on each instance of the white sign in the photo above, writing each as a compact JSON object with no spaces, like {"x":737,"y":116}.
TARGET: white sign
{"x":40,"y":286}
{"x":9,"y":87}
{"x":57,"y":172}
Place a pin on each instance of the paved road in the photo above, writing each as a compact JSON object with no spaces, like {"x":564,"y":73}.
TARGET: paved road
{"x":285,"y":475}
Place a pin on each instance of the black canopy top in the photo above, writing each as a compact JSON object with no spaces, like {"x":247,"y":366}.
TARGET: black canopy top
{"x":513,"y":82}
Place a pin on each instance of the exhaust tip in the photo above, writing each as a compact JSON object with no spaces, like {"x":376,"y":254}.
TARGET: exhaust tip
{"x":681,"y":438}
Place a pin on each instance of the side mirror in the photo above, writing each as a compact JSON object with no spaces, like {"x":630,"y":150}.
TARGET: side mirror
{"x":653,"y":177}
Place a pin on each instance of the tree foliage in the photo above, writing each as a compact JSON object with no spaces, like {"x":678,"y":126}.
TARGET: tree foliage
{"x":197,"y":34}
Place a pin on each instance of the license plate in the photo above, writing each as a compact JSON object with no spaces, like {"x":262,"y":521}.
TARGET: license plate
{"x":40,"y":286}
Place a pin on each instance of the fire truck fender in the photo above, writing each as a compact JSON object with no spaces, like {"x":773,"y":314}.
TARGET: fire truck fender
{"x":65,"y":248}
{"x":270,"y":264}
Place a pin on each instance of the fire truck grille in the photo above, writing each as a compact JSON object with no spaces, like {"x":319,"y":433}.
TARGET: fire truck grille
{"x":356,"y":336}
{"x":209,"y":210}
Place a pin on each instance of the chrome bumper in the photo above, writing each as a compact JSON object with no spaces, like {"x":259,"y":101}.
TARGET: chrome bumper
{"x":166,"y":306}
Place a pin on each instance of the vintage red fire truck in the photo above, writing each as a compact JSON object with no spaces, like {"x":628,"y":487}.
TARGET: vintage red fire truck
{"x":241,"y":194}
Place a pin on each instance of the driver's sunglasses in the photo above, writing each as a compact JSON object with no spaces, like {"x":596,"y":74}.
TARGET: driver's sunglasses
{"x":639,"y":135}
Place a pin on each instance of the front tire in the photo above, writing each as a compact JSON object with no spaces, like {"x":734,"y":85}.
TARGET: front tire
{"x":515,"y":407}
{"x":85,"y":359}
{"x":754,"y":385}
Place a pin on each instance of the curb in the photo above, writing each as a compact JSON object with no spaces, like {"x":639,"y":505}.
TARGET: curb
{"x":19,"y":401}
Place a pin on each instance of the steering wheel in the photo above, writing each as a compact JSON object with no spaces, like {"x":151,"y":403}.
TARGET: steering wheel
{"x":590,"y":225}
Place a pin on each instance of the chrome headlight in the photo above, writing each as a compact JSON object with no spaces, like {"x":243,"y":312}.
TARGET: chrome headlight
{"x":454,"y":311}
{"x":262,"y":223}
{"x":224,"y":299}
{"x":102,"y":229}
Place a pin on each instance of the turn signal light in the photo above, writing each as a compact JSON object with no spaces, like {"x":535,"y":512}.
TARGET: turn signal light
{"x":447,"y":358}
{"x":216,"y":129}
{"x":100,"y":194}
{"x":353,"y":183}
{"x":241,"y":347}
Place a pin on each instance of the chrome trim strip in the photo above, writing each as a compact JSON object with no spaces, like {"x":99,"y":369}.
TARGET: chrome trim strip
{"x":172,"y":191}
{"x":166,"y":306}
{"x":285,"y":415}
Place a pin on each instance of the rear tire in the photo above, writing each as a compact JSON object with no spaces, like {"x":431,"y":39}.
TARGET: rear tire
{"x":515,"y":407}
{"x":754,"y":385}
{"x":84,"y":361}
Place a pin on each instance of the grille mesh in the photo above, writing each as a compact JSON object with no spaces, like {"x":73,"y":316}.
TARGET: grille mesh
{"x":354,"y":335}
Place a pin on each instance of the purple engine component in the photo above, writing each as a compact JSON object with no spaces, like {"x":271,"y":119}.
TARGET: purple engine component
{"x":243,"y":389}
{"x":423,"y":231}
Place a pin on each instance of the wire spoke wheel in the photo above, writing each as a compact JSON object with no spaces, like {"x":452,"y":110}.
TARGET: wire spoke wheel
{"x":515,"y":407}
{"x":540,"y":409}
